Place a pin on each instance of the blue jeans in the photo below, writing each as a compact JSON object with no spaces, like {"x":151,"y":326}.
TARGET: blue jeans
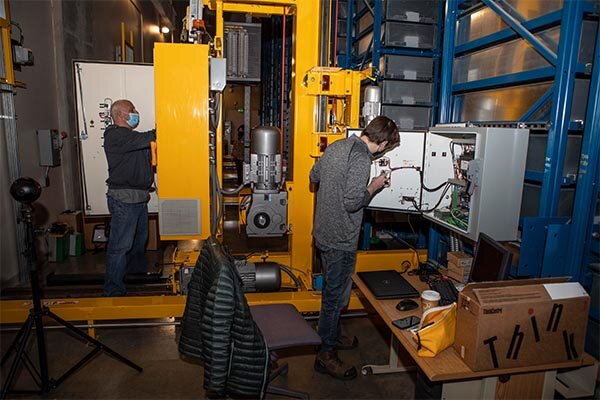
{"x":338,"y":266}
{"x":126,"y":244}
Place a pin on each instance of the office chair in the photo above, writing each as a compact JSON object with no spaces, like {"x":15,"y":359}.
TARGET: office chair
{"x":217,"y":304}
{"x":283,"y":327}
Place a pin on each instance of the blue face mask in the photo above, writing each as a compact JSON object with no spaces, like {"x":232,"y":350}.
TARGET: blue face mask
{"x":133,"y":120}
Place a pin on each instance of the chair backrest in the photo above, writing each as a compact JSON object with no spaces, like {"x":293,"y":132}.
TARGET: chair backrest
{"x":218,"y":328}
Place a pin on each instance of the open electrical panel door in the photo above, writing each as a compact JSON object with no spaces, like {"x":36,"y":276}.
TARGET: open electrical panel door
{"x":468,"y":179}
{"x":403,"y":165}
{"x":97,"y":86}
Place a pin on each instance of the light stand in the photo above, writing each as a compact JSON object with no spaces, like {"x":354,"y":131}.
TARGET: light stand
{"x":26,"y":191}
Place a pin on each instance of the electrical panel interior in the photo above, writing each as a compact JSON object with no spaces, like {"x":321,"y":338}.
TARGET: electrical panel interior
{"x":469,"y":180}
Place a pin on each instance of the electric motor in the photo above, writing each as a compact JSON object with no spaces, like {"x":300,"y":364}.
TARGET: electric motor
{"x":265,"y":160}
{"x":259,"y":277}
{"x":372,"y":104}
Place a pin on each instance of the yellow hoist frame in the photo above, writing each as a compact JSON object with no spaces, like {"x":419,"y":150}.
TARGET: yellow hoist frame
{"x":183,"y":172}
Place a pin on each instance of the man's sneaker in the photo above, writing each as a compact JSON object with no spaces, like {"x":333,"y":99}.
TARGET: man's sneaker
{"x":327,"y":362}
{"x":346,"y":342}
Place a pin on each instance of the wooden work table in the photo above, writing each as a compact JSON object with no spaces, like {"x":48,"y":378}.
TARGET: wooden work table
{"x":448,"y":366}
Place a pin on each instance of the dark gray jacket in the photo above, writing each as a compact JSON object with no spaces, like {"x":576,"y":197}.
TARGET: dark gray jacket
{"x":218,"y":328}
{"x":343,"y":175}
{"x":128,"y":156}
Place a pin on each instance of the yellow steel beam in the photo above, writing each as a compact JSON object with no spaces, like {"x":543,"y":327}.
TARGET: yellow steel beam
{"x":389,"y":259}
{"x":148,"y":307}
{"x":301,"y":204}
{"x":256,"y":3}
{"x":256,"y":9}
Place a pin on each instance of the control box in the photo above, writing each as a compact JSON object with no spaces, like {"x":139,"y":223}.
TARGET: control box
{"x":482,"y":172}
{"x":469,"y":180}
{"x":49,"y":147}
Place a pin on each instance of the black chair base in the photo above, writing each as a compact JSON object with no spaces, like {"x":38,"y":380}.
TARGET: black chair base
{"x":281,"y":370}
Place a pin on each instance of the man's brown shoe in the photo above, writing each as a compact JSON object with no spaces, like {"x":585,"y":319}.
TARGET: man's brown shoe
{"x":346,"y":343}
{"x":327,"y":362}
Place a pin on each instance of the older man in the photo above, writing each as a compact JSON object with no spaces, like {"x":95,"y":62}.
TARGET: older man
{"x":130,"y":177}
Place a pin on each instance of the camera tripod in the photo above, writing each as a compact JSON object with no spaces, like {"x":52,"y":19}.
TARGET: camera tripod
{"x":35,"y":319}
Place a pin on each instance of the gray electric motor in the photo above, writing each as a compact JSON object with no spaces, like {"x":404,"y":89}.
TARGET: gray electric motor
{"x":259,"y":277}
{"x":265,"y":160}
{"x":267,"y":215}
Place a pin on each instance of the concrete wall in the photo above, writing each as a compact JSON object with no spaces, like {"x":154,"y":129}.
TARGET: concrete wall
{"x":59,"y":32}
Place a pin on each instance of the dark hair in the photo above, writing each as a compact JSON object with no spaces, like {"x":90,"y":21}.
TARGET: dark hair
{"x":381,"y":129}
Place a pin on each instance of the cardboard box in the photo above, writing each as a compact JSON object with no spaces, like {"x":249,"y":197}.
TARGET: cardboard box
{"x":521,"y":323}
{"x":460,"y":274}
{"x":72,"y":218}
{"x":459,"y":258}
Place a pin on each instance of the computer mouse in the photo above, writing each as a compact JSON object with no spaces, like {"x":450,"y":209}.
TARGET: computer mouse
{"x":407,"y":305}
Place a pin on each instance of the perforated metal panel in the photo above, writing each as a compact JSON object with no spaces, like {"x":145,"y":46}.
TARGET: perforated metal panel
{"x":179,"y":217}
{"x":242,"y":50}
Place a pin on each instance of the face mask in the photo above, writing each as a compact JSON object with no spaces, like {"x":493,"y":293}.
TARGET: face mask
{"x":134,"y":120}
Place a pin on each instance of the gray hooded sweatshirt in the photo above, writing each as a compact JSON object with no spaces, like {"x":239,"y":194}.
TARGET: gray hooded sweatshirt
{"x":342,"y":174}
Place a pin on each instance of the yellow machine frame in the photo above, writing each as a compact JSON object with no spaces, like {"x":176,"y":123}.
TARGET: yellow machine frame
{"x":340,"y":87}
{"x":183,"y":130}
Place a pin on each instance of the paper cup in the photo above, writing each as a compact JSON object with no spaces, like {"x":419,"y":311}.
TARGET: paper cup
{"x":429,"y":298}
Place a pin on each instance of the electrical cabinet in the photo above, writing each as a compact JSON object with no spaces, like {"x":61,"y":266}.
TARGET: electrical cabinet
{"x":470,"y":180}
{"x":97,"y":86}
{"x":49,"y":147}
{"x":403,"y":165}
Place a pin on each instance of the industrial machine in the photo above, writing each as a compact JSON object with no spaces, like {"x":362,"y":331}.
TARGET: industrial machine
{"x":325,"y":101}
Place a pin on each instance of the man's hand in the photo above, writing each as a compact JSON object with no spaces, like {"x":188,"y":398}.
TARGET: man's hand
{"x":377,"y":183}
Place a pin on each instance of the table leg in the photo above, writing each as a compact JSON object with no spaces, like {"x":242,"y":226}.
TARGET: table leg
{"x":394,"y":365}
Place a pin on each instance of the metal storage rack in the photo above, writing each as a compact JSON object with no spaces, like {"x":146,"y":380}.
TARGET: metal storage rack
{"x":515,"y":63}
{"x":406,"y":54}
{"x":271,"y":91}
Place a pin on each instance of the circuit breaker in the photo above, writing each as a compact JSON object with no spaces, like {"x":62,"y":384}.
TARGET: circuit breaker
{"x":470,"y":179}
{"x":49,"y":147}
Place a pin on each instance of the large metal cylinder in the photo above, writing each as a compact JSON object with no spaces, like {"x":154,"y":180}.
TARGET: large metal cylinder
{"x":372,"y":104}
{"x":265,"y":140}
{"x":265,"y":159}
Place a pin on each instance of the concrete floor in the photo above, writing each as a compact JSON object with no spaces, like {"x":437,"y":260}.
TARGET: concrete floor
{"x":168,"y":375}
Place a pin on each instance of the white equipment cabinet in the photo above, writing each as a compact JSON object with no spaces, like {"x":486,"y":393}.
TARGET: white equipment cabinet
{"x":472,"y":178}
{"x":403,"y":165}
{"x":97,"y":85}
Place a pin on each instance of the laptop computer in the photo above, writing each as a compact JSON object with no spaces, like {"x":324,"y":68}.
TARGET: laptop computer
{"x":388,"y":284}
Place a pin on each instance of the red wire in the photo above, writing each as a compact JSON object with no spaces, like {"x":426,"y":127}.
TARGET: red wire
{"x":282,"y":77}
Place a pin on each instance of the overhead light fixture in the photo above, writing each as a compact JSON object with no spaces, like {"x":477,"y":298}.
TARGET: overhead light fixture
{"x":155,"y":29}
{"x":165,"y":29}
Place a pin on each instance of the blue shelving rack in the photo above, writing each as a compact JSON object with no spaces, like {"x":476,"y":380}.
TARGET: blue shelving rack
{"x":551,"y":244}
{"x":353,"y":58}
